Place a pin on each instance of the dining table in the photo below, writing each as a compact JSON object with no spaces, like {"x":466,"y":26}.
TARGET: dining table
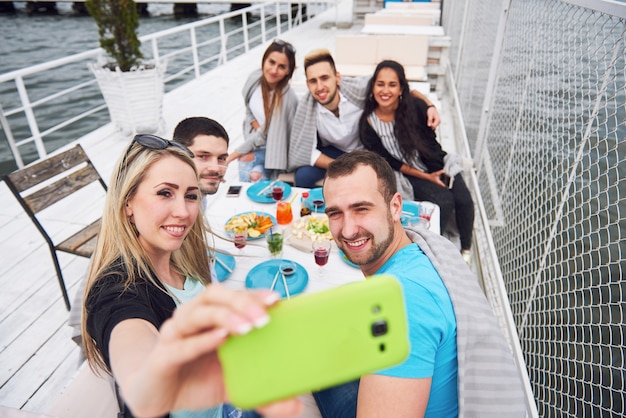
{"x":219,"y":208}
{"x":242,"y":263}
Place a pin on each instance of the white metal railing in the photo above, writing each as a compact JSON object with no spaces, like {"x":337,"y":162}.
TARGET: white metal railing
{"x":487,"y":265}
{"x":193,"y":55}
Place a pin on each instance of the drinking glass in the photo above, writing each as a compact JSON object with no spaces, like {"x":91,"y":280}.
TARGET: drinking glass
{"x":418,"y":221}
{"x":278,"y":191}
{"x":426,"y":212}
{"x":284,"y":215}
{"x":321,"y":252}
{"x":275,"y":243}
{"x":240,"y":238}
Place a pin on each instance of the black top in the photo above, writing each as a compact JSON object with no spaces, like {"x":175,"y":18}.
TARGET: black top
{"x":108,"y":304}
{"x":372,"y":141}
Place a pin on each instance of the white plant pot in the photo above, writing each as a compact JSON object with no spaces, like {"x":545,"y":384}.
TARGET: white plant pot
{"x":134,"y":98}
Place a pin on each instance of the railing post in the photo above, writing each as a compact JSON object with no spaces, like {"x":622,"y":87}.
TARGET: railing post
{"x":155,"y":51}
{"x":491,"y":84}
{"x":223,"y":43}
{"x":263,"y":33}
{"x":30,"y":117}
{"x":244,"y":27}
{"x":4,"y":123}
{"x":277,"y":14}
{"x":194,"y":51}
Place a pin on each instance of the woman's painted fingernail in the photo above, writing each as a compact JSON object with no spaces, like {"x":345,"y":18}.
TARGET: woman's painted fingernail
{"x":262,"y":321}
{"x":221,"y":333}
{"x":243,"y":328}
{"x":272,"y":298}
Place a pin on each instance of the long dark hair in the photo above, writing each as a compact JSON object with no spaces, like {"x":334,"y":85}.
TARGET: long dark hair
{"x":409,"y":118}
{"x":277,"y":99}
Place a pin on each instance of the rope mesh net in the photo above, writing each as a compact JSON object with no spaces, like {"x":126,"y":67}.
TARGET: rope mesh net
{"x":541,"y":86}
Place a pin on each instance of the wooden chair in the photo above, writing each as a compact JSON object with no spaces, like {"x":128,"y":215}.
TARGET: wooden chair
{"x":43,"y":184}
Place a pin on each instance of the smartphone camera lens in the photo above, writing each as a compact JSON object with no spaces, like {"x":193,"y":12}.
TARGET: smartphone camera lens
{"x":379,"y":328}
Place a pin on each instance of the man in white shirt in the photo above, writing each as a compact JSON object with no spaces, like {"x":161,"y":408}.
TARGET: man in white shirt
{"x":327,"y":119}
{"x":208,"y":140}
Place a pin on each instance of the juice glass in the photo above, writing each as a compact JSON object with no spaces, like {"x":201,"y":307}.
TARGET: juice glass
{"x":284,"y":215}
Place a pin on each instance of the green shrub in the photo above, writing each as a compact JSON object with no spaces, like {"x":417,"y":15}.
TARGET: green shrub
{"x":117,"y":22}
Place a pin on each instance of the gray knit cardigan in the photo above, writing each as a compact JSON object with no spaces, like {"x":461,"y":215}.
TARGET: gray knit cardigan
{"x":304,"y":130}
{"x":489,"y":381}
{"x":276,"y":140}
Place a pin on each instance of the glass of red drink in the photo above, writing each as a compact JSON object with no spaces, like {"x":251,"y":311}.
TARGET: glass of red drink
{"x":240,"y":238}
{"x":321,"y":252}
{"x":277,"y":192}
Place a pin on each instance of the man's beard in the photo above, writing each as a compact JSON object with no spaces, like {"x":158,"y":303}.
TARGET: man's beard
{"x":330,"y":98}
{"x":377,"y":249}
{"x":212,"y":187}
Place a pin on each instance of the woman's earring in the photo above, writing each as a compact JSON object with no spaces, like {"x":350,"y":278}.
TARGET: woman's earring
{"x":400,"y":97}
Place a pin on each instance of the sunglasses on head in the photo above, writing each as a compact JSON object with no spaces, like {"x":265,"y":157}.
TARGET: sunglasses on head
{"x":157,"y":143}
{"x":286,"y":45}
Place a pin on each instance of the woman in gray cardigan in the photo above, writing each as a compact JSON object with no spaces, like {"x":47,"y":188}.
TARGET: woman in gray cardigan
{"x":270,"y":108}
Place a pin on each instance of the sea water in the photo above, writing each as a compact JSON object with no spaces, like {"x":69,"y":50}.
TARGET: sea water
{"x":27,"y":40}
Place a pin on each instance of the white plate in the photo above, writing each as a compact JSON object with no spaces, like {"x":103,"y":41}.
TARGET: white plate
{"x":296,"y":236}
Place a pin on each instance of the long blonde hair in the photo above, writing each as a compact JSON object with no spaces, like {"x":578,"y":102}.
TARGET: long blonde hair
{"x":118,"y":239}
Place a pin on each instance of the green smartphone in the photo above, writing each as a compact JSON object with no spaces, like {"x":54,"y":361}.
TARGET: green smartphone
{"x":316,"y":341}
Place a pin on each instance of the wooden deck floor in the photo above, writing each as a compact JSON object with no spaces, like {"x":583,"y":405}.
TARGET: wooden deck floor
{"x":38,"y":359}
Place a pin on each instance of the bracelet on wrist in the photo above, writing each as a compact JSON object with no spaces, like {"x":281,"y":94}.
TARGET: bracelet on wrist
{"x":429,"y":106}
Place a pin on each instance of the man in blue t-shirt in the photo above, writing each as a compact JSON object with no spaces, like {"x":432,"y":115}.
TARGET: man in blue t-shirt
{"x":364,"y":208}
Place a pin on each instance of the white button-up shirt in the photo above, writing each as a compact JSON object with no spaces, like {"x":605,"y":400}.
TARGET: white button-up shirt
{"x":341,"y":132}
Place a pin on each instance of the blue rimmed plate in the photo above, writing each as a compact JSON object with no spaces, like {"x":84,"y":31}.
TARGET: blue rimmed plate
{"x":224,"y":266}
{"x":409,"y":209}
{"x":266,"y":196}
{"x":258,"y":213}
{"x":316,"y":196}
{"x":342,"y":255}
{"x":262,"y":275}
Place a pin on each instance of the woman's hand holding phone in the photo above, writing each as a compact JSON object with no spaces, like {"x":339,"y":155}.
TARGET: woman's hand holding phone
{"x":446,"y":180}
{"x":178,"y":364}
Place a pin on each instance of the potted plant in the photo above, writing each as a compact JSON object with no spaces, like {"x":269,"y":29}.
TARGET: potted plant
{"x":132,"y":88}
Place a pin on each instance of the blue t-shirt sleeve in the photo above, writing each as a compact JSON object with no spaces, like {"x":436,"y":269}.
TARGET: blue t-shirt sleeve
{"x":425,"y":318}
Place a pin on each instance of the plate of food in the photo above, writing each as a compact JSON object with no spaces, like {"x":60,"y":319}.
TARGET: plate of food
{"x":302,"y":232}
{"x":256,"y":223}
{"x":262,"y":276}
{"x":224,"y":264}
{"x":345,"y":259}
{"x":261,"y":192}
